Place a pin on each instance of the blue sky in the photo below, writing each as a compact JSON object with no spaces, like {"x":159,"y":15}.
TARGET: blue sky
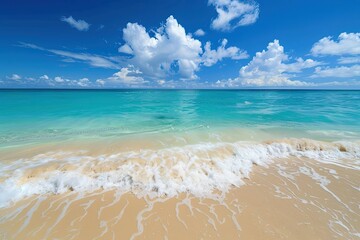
{"x":180,"y":44}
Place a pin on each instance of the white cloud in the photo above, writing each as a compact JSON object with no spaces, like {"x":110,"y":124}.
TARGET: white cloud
{"x":91,"y":59}
{"x":83,"y":82}
{"x":337,"y":72}
{"x":349,"y":60}
{"x":211,"y":57}
{"x":15,"y":77}
{"x":161,"y":82}
{"x":270,"y":68}
{"x":169,"y":47}
{"x":234,"y":13}
{"x":171,"y":51}
{"x":46,"y":81}
{"x":45,"y":77}
{"x":199,"y":32}
{"x":101,"y":82}
{"x":126,"y":76}
{"x":80,"y":25}
{"x":59,"y":79}
{"x":125,"y":49}
{"x":348,"y":43}
{"x":301,"y":64}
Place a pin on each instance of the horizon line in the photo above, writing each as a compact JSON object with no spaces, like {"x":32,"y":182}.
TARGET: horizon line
{"x":174,"y":89}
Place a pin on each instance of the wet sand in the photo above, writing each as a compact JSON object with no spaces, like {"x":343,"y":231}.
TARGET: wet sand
{"x":292,"y":198}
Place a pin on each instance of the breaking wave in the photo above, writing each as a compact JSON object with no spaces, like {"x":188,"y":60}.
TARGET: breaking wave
{"x":204,"y":170}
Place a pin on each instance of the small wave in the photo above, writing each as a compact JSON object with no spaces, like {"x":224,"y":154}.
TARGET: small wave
{"x":243,"y":103}
{"x":200,"y":169}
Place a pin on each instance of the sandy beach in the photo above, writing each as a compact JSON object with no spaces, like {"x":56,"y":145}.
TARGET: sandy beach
{"x":292,"y":198}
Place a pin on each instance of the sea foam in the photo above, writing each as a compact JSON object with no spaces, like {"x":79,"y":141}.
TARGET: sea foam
{"x":200,"y":169}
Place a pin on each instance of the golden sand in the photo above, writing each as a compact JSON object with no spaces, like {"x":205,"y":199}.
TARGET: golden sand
{"x":293,"y":198}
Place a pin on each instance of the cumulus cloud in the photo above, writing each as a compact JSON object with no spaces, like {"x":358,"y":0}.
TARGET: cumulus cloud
{"x":161,"y":82}
{"x":52,"y":82}
{"x":337,"y":72}
{"x":346,"y":44}
{"x":271,"y":67}
{"x":171,"y":51}
{"x":83,"y":82}
{"x":15,"y":77}
{"x":80,"y":25}
{"x":348,"y":47}
{"x":100,"y":82}
{"x":199,"y":32}
{"x":125,"y":49}
{"x":59,"y":81}
{"x":234,"y":13}
{"x":126,"y":76}
{"x":91,"y":59}
{"x":45,"y":77}
{"x":211,"y":57}
{"x":170,"y":48}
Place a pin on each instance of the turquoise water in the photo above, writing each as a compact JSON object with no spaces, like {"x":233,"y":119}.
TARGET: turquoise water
{"x":30,"y":116}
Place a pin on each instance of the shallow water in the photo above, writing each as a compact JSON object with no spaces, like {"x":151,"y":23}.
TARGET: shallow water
{"x":29,"y":116}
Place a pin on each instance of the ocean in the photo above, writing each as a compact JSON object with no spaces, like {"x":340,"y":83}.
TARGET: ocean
{"x":33,"y":116}
{"x":63,"y":147}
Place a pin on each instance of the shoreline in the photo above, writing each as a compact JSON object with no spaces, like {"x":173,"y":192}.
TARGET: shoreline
{"x":228,"y":184}
{"x":141,"y":167}
{"x":293,"y":198}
